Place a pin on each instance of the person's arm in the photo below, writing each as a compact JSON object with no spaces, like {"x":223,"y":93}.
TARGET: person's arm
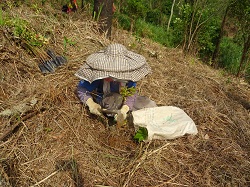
{"x":84,"y":90}
{"x":127,"y":105}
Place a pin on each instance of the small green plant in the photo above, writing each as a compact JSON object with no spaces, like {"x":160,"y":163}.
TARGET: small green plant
{"x":21,"y":30}
{"x":17,"y":116}
{"x":1,"y":17}
{"x":10,"y":4}
{"x":125,"y":92}
{"x":97,"y":17}
{"x":192,"y":61}
{"x":67,"y":41}
{"x":43,"y":2}
{"x":36,"y":8}
{"x":47,"y":129}
{"x":228,"y":80}
{"x":141,"y":134}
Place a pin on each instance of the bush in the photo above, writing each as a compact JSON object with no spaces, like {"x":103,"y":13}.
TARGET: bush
{"x":207,"y":39}
{"x":134,"y":8}
{"x":142,"y":29}
{"x":124,"y":21}
{"x":230,"y":54}
{"x":160,"y":35}
{"x":178,"y":31}
{"x":154,"y":17}
{"x":156,"y":33}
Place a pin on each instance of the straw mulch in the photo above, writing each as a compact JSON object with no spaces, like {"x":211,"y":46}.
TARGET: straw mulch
{"x":62,"y":144}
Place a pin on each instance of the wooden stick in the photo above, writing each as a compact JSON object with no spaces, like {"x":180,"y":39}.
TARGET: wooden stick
{"x":52,"y":174}
{"x":12,"y":128}
{"x":109,"y":111}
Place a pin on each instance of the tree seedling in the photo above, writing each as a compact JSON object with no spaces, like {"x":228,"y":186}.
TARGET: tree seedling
{"x":125,"y":92}
{"x":141,"y":134}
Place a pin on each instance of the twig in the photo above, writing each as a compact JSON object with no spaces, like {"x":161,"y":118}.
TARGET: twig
{"x":13,"y":127}
{"x":52,"y":174}
{"x":141,"y":160}
{"x":109,"y":111}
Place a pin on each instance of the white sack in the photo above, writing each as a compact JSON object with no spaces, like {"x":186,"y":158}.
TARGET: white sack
{"x":164,"y":122}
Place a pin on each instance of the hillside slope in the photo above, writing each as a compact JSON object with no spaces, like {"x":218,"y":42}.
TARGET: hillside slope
{"x":59,"y":143}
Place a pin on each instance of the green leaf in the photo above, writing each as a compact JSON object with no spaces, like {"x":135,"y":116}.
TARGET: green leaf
{"x":141,"y":134}
{"x":125,"y":92}
{"x":47,"y":129}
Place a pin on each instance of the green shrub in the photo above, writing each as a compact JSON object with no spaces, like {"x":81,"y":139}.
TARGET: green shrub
{"x":124,"y":21}
{"x":156,"y":33}
{"x":177,"y":31}
{"x":154,"y":16}
{"x":207,"y":38}
{"x":22,"y":30}
{"x":142,"y":29}
{"x":160,"y":35}
{"x":134,"y":8}
{"x":230,"y":54}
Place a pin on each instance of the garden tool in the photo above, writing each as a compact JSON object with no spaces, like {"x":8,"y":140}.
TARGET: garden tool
{"x":49,"y":65}
{"x":48,"y":60}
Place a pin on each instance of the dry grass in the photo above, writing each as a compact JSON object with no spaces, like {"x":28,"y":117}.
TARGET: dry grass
{"x":63,"y":145}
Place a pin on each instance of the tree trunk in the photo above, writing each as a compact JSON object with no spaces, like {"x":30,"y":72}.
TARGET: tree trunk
{"x":217,"y":46}
{"x":82,"y":5}
{"x":244,"y":54}
{"x":103,"y":13}
{"x":172,"y":10}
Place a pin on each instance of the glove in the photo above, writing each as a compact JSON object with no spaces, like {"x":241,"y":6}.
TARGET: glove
{"x":94,"y":108}
{"x":122,"y":115}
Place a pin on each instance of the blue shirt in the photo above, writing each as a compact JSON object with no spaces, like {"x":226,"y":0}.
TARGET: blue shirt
{"x":86,"y":90}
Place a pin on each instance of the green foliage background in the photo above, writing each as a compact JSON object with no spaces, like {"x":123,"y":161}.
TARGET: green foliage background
{"x":148,"y":18}
{"x":195,"y":25}
{"x":230,"y":55}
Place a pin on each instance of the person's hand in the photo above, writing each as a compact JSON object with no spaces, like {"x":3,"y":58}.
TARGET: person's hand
{"x":122,"y":115}
{"x":94,"y":108}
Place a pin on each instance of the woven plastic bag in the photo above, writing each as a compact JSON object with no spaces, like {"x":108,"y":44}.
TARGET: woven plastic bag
{"x":164,"y":122}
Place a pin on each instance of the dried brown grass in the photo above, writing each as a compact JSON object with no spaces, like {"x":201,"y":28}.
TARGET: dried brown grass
{"x":64,"y":132}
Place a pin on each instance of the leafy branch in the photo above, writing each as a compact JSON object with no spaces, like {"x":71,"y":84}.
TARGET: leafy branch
{"x":125,"y":91}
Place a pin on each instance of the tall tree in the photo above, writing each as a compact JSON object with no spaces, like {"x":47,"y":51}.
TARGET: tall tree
{"x":217,"y":44}
{"x":241,"y":11}
{"x":197,"y":16}
{"x":244,"y":57}
{"x":103,"y":13}
{"x":171,"y":14}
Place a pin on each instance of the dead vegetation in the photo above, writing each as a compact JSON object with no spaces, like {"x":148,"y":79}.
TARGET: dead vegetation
{"x":61,"y":144}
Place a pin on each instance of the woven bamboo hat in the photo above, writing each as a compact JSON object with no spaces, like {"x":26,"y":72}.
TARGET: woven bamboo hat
{"x":114,"y":61}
